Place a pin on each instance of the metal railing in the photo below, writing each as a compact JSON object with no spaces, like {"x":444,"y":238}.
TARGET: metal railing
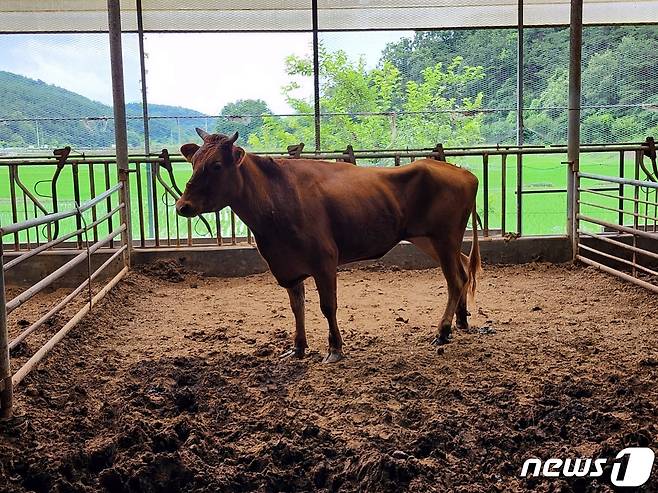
{"x":603,"y":204}
{"x":155,"y":185}
{"x":618,"y":232}
{"x":87,"y":248}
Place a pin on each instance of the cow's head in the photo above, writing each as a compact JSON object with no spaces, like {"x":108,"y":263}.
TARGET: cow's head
{"x":214,"y":173}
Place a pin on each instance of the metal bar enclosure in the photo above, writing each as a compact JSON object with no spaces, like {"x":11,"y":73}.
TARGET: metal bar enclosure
{"x":119,"y":107}
{"x":573,"y":137}
{"x":316,"y":75}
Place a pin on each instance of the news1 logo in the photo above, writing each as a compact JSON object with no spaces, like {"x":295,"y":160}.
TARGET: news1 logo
{"x":630,"y":468}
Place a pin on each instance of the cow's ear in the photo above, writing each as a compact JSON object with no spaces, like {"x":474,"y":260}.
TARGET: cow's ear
{"x":238,"y":155}
{"x":188,"y":150}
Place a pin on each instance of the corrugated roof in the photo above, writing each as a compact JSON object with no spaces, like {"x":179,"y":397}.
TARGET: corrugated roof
{"x":295,"y":15}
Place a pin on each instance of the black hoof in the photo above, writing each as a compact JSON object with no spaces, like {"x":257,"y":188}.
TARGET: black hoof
{"x":441,"y":340}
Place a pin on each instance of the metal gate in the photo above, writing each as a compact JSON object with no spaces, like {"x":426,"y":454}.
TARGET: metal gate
{"x":617,"y":232}
{"x":9,"y":379}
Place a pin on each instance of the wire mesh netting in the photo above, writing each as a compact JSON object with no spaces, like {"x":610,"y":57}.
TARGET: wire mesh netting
{"x":411,"y":89}
{"x":385,"y":89}
{"x":392,"y":76}
{"x":56,"y":90}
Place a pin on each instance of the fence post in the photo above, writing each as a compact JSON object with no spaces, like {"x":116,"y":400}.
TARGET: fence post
{"x":120,"y":132}
{"x":573,"y":144}
{"x":316,"y":75}
{"x":6,"y":387}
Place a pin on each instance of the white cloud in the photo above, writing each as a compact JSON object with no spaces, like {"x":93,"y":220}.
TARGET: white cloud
{"x":367,"y":44}
{"x":79,"y":63}
{"x":198,"y":71}
{"x":206,"y":71}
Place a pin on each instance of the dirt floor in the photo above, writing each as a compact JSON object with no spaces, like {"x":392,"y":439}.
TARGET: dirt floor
{"x":174,"y":384}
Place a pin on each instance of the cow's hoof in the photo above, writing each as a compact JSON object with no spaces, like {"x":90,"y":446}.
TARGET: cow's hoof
{"x":333,"y":357}
{"x":441,"y":340}
{"x":295,"y":352}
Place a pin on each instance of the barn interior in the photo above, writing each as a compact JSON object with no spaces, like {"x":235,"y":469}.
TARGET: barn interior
{"x":139,"y":350}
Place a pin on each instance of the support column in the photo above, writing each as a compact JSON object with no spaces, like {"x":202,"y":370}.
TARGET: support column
{"x":519,"y":116}
{"x":145,"y":116}
{"x":573,"y":140}
{"x":316,"y":75}
{"x":6,"y":387}
{"x":120,"y":133}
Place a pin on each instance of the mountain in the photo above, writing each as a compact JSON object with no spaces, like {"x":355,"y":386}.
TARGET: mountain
{"x":36,"y":114}
{"x":169,"y":126}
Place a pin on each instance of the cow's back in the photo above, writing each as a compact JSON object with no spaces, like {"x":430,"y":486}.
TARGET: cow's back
{"x":363,"y":212}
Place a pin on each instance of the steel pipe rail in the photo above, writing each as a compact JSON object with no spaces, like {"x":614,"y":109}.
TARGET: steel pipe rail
{"x":56,"y":309}
{"x":618,"y":197}
{"x":50,"y":218}
{"x":7,"y":381}
{"x":621,"y":181}
{"x":618,"y":273}
{"x":633,"y":233}
{"x":50,"y":244}
{"x":48,"y":280}
{"x":358,"y":153}
{"x":6,"y":387}
{"x":620,"y":244}
{"x":615,"y":209}
{"x":159,"y":224}
{"x":635,"y":265}
{"x":618,"y":227}
{"x":46,"y":348}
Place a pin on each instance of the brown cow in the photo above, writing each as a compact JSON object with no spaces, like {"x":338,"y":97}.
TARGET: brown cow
{"x":310,"y":216}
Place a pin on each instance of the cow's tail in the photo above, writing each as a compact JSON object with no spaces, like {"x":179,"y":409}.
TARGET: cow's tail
{"x":474,"y":260}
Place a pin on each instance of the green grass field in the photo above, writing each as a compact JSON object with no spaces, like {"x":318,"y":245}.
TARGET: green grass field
{"x":542,"y":213}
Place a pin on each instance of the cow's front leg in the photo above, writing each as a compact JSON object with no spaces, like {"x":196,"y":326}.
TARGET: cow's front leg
{"x":326,"y":284}
{"x":296,"y":295}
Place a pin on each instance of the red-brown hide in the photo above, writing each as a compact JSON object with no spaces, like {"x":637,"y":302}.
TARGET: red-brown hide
{"x":310,"y":216}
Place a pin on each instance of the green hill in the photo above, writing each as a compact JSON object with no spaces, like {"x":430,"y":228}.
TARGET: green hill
{"x":36,"y":114}
{"x":164,"y":132}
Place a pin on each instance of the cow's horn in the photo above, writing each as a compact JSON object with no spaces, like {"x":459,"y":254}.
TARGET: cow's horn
{"x":233,"y":138}
{"x":202,"y":133}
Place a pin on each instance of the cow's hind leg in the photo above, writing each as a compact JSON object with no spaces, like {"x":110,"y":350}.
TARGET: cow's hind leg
{"x":432,"y":248}
{"x":296,"y":295}
{"x":462,"y":309}
{"x":326,"y":284}
{"x":456,"y":277}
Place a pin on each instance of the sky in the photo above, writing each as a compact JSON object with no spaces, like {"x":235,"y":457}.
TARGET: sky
{"x":197,"y":71}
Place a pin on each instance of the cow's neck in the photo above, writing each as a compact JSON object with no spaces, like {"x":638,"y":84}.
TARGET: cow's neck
{"x":255,"y":196}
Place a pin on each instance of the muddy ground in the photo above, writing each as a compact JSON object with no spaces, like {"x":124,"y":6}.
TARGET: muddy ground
{"x":174,"y":384}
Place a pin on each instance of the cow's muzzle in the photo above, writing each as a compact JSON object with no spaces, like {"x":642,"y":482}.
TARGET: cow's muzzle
{"x":185,"y":209}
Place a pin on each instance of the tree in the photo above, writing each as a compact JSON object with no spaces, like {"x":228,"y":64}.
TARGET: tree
{"x":376,"y":108}
{"x":616,"y":71}
{"x":243,"y":116}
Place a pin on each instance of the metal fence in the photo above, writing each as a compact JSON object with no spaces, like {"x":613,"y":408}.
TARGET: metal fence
{"x":628,"y":188}
{"x":116,"y":242}
{"x":618,"y":232}
{"x":508,"y":87}
{"x":523,"y":191}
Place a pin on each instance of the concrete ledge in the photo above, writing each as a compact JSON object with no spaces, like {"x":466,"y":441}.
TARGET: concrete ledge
{"x":225,"y":261}
{"x":554,"y":249}
{"x":242,"y":260}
